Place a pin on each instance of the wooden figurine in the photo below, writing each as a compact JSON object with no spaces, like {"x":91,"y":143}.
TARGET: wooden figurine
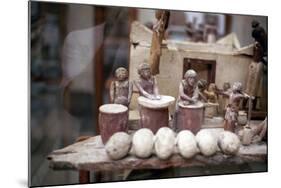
{"x":211,"y":93}
{"x":153,"y":108}
{"x":208,"y":97}
{"x":188,"y":90}
{"x":147,"y":84}
{"x":255,"y":74}
{"x":205,"y":95}
{"x":121,"y":89}
{"x":211,"y":107}
{"x":159,"y":28}
{"x":231,"y":114}
{"x":189,"y":111}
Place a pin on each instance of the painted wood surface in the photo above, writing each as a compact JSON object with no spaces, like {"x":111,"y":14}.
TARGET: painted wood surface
{"x":91,"y":155}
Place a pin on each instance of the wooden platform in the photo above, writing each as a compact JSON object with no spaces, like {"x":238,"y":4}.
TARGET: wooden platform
{"x":90,"y":155}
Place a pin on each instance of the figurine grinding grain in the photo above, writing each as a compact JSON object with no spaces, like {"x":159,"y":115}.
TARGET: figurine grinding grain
{"x":189,"y":110}
{"x":121,"y":89}
{"x":231,"y":114}
{"x":188,"y":90}
{"x":147,"y":84}
{"x":153,"y":108}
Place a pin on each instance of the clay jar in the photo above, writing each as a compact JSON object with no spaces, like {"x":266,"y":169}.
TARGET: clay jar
{"x":247,"y":135}
{"x":112,"y":118}
{"x":242,"y":118}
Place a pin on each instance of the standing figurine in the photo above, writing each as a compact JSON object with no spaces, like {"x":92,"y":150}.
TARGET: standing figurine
{"x":147,"y":84}
{"x":188,"y":90}
{"x":211,"y":93}
{"x":121,"y":89}
{"x":231,"y":114}
{"x":205,"y":95}
{"x":255,"y":75}
{"x":208,"y":97}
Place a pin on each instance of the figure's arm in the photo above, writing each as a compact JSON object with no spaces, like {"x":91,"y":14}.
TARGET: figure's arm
{"x":245,"y":95}
{"x":208,"y":94}
{"x":202,"y":96}
{"x":155,"y":88}
{"x":223,"y":93}
{"x":112,"y":91}
{"x":142,"y":91}
{"x":211,"y":95}
{"x":195,"y":95}
{"x":184,"y":96}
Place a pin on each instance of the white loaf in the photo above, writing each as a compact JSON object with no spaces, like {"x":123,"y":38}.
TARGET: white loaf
{"x":206,"y":142}
{"x":229,"y":143}
{"x":186,"y":144}
{"x":142,"y":143}
{"x":118,"y":145}
{"x":164,"y":143}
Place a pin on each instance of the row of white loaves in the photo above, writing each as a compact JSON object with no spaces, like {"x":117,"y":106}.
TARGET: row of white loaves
{"x":165,"y":143}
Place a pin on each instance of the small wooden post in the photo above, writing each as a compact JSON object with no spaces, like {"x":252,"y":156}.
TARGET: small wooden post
{"x":98,"y":76}
{"x":98,"y":64}
{"x":159,"y":28}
